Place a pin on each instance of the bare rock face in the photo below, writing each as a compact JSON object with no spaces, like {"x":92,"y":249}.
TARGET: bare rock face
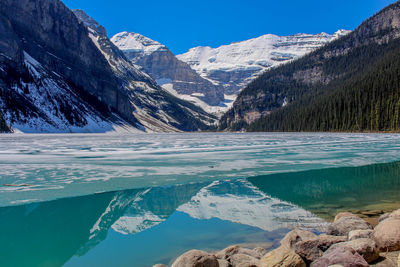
{"x":364,"y":246}
{"x":387,"y":234}
{"x":343,"y":225}
{"x":356,"y":234}
{"x":283,"y":257}
{"x":162,"y":65}
{"x":312,"y":249}
{"x":296,"y":236}
{"x":243,"y":260}
{"x":196,"y":258}
{"x":345,"y":256}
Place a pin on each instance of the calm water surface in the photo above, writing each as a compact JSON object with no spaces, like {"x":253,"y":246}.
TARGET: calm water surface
{"x":137,"y":200}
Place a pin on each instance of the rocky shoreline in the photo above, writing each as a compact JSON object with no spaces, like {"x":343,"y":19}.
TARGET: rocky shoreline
{"x":350,"y":241}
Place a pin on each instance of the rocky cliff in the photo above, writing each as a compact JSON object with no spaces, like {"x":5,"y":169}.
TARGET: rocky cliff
{"x":54,"y":78}
{"x":168,"y":71}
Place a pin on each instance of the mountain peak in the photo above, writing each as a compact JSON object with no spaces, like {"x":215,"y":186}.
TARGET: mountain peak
{"x":130,"y":41}
{"x":89,"y":22}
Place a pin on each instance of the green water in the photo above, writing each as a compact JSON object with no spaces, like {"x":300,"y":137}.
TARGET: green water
{"x":142,"y":227}
{"x":329,"y":191}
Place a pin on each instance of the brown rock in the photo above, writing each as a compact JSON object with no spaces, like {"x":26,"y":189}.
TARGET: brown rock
{"x":366,"y":247}
{"x":384,"y":217}
{"x":196,"y":258}
{"x":295,"y":236}
{"x":259,"y":252}
{"x":387,"y":234}
{"x":344,"y":214}
{"x":345,"y":256}
{"x":387,"y":259}
{"x":235,"y":249}
{"x":343,"y":225}
{"x":356,"y":234}
{"x":314,"y":248}
{"x":282,"y":257}
{"x":223,"y":263}
{"x":243,"y":260}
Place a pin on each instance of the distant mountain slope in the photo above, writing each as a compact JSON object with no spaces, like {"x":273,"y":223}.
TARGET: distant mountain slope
{"x":333,"y":88}
{"x":169,"y":72}
{"x":54,"y":78}
{"x":234,"y":66}
{"x":155,"y":108}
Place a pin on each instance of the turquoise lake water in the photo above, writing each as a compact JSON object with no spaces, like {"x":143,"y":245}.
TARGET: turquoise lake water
{"x":137,"y":200}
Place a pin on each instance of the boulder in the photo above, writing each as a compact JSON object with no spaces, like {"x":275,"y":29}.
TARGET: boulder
{"x":366,"y":247}
{"x":312,"y":249}
{"x":343,"y":214}
{"x":345,"y":256}
{"x":356,"y":234}
{"x":383,"y":217}
{"x":295,"y":236}
{"x":243,"y":260}
{"x":160,"y":265}
{"x":343,"y":225}
{"x":232,"y":250}
{"x":282,"y":257}
{"x":387,"y":234}
{"x":223,"y":263}
{"x":394,"y":214}
{"x":259,"y":252}
{"x":196,"y":258}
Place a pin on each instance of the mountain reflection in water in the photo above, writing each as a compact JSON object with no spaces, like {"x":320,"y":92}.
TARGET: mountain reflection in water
{"x":142,"y":227}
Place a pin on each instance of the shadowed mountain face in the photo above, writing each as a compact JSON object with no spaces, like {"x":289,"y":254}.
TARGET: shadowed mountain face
{"x":321,"y":91}
{"x":169,"y":72}
{"x":58,"y":76}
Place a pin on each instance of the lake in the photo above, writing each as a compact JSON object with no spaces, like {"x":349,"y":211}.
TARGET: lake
{"x":137,"y":200}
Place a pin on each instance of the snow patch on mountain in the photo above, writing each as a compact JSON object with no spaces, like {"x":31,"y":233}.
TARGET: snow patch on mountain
{"x":55,"y":107}
{"x":135,"y":42}
{"x":236,"y":65}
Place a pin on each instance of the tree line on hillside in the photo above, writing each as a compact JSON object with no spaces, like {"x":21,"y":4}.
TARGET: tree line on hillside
{"x":366,"y":100}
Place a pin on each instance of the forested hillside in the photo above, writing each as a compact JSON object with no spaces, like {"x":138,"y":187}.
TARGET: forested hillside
{"x":368,"y":100}
{"x":334,"y":88}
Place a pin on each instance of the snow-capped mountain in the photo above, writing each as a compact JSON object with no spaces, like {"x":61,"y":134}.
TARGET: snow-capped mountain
{"x":172,"y":74}
{"x":236,"y":65}
{"x":59,"y":72}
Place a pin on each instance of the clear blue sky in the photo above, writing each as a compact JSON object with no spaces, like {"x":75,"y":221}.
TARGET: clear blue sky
{"x":183,"y":24}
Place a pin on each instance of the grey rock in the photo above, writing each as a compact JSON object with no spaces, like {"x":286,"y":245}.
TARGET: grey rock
{"x":387,"y":235}
{"x":355,"y":234}
{"x":366,"y":247}
{"x":295,"y":236}
{"x":196,"y":258}
{"x":314,"y":248}
{"x":160,"y":265}
{"x":345,"y":256}
{"x":344,"y":225}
